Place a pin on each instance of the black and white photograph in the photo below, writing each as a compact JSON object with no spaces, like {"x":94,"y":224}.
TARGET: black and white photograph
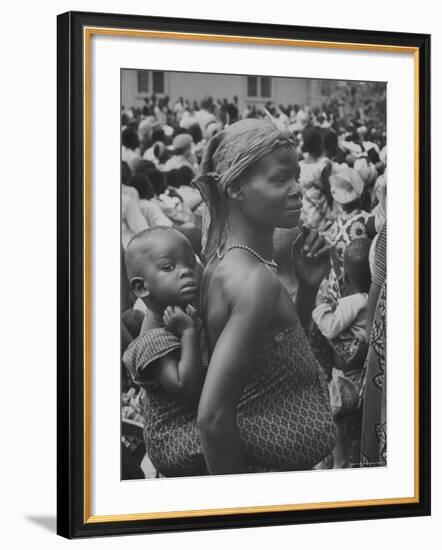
{"x":253,"y":274}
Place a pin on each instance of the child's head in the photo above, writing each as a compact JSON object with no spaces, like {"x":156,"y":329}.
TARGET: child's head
{"x":356,"y":265}
{"x":160,"y":266}
{"x":312,"y":143}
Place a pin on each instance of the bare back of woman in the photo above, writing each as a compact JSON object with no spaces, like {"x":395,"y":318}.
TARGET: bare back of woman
{"x":224,"y":283}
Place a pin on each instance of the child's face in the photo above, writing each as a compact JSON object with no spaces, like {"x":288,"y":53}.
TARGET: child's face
{"x":170,"y":270}
{"x":273,"y":196}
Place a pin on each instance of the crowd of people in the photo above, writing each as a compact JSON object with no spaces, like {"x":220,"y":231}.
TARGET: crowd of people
{"x":253,"y":285}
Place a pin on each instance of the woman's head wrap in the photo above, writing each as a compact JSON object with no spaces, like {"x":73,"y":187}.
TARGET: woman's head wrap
{"x":228,"y":154}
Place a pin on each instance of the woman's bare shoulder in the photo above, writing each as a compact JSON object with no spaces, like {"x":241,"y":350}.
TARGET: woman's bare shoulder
{"x":240,"y":278}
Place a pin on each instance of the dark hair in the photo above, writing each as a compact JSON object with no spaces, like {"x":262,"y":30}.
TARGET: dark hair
{"x":142,"y":184}
{"x":353,"y":205}
{"x":184,"y":176}
{"x":206,"y":102}
{"x":158,"y":135}
{"x":330,"y":140}
{"x":356,"y":264}
{"x":162,"y":154}
{"x":313,"y":143}
{"x":125,"y":172}
{"x":179,"y":131}
{"x":373,"y":156}
{"x":195,"y":132}
{"x":156,"y":179}
{"x":130,"y":139}
{"x":171,"y":179}
{"x":142,"y":166}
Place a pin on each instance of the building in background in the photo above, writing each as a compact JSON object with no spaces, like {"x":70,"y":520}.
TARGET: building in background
{"x":250,"y":90}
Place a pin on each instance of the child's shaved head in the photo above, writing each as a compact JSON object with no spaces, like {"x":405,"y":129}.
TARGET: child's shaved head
{"x":356,"y":264}
{"x":142,"y":244}
{"x":160,"y":265}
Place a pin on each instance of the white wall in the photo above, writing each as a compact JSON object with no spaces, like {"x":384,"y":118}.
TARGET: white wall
{"x":194,"y":86}
{"x":129,"y":86}
{"x":27,"y":287}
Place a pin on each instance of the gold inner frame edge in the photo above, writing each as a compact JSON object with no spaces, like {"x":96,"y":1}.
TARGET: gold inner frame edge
{"x":87,"y":33}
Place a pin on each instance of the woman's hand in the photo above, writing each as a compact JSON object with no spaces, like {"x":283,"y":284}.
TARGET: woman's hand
{"x":311,"y":258}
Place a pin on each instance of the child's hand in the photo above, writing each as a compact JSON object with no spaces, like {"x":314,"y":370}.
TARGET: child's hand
{"x":177,"y":321}
{"x":193,"y":313}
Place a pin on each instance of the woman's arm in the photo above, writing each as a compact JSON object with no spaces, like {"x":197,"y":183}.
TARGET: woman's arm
{"x":252,"y":308}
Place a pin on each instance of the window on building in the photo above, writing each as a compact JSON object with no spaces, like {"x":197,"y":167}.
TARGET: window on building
{"x":143,"y":82}
{"x":266,"y":86}
{"x":252,"y":86}
{"x":150,"y":82}
{"x":259,"y":86}
{"x":158,"y":82}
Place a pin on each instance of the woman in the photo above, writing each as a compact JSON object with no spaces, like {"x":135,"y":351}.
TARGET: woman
{"x":263,"y":406}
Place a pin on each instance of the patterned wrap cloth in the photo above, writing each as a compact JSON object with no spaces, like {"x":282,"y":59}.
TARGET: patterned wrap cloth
{"x":283,"y":416}
{"x":170,"y":431}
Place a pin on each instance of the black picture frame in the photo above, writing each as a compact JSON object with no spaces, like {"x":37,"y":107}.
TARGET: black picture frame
{"x":72,"y":520}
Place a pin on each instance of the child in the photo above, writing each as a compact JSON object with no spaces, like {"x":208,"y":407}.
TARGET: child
{"x":344,"y":328}
{"x":166,"y":359}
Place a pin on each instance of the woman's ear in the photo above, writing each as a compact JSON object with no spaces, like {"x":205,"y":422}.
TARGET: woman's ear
{"x":235,"y":190}
{"x":139,"y":287}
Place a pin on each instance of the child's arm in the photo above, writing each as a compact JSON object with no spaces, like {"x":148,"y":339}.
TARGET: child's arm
{"x":251,"y":312}
{"x":332,"y":323}
{"x":184,"y":377}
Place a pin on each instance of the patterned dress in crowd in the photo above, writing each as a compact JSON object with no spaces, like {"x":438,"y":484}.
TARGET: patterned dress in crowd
{"x":345,"y":229}
{"x":283,"y":416}
{"x":374,"y":389}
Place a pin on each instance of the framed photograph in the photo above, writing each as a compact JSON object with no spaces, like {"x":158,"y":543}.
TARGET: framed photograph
{"x":240,"y":340}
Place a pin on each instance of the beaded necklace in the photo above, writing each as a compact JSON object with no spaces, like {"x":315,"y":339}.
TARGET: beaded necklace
{"x":270,"y":263}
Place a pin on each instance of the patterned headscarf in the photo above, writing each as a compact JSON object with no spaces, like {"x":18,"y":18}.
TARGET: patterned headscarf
{"x":228,"y":154}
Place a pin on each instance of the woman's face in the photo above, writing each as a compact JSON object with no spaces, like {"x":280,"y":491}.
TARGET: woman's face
{"x":271,"y":194}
